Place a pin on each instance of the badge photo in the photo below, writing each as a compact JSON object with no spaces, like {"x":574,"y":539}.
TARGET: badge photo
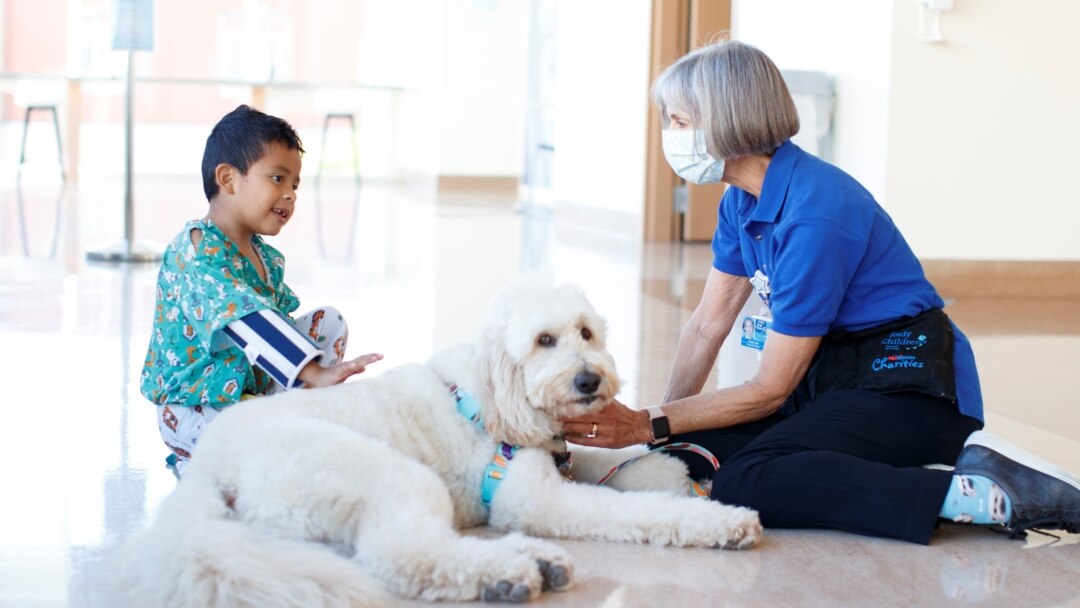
{"x":754,"y":330}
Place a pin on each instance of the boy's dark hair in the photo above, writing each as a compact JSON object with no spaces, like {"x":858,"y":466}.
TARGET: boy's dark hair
{"x":240,"y":139}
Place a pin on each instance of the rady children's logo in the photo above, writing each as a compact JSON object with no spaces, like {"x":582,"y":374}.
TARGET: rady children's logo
{"x":903,"y":340}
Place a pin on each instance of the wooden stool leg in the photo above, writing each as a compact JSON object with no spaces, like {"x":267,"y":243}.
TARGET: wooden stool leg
{"x":26,"y":128}
{"x":59,"y":150}
{"x":355,"y":152}
{"x":56,"y":129}
{"x":322,"y":148}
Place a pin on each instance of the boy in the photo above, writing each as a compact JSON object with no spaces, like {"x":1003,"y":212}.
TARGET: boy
{"x":222,"y":330}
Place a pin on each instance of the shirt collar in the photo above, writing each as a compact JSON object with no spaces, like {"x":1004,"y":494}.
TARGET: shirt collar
{"x":260,"y":245}
{"x":775,"y":187}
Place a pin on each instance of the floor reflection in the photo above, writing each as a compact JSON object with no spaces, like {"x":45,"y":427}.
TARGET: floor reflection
{"x":342,"y":245}
{"x":35,"y":195}
{"x":125,"y":485}
{"x":973,"y":578}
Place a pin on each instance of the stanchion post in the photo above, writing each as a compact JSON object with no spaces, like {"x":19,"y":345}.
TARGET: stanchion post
{"x":134,"y":31}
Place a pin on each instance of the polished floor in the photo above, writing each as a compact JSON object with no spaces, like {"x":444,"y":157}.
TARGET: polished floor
{"x":81,"y":463}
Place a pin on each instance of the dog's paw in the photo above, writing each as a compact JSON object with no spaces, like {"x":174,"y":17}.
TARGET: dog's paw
{"x":516,"y":579}
{"x":705,"y":523}
{"x":552,"y":561}
{"x":556,"y":576}
{"x":506,"y":591}
{"x":743,"y":529}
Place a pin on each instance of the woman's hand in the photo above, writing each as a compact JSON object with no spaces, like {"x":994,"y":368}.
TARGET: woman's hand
{"x":615,"y":426}
{"x":314,"y":375}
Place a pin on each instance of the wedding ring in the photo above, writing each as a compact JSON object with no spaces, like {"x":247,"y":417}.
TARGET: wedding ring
{"x":592,"y":433}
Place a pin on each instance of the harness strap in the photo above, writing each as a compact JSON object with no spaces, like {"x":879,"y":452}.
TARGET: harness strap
{"x":495,"y":471}
{"x":468,"y":406}
{"x":694,"y":488}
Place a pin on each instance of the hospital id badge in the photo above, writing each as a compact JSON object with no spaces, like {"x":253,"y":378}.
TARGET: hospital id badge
{"x":754,"y":329}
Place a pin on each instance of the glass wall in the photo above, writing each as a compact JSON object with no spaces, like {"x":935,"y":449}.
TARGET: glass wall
{"x":299,"y":59}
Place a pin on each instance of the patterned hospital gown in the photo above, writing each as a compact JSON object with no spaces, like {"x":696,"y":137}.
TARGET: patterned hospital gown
{"x":200,"y":290}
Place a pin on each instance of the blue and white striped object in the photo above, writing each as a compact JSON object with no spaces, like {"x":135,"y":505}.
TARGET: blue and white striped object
{"x":274,"y":345}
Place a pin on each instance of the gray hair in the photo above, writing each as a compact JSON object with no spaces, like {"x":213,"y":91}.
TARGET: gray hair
{"x":735,"y":94}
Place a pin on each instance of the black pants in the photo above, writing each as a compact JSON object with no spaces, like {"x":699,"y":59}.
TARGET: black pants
{"x":848,"y":460}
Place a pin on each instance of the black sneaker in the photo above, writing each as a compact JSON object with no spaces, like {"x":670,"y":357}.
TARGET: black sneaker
{"x":1044,"y":496}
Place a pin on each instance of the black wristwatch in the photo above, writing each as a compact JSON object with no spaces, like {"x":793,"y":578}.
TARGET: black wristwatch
{"x":658,"y":423}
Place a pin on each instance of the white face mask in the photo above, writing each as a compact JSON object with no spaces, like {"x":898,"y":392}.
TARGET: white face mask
{"x":685,"y":151}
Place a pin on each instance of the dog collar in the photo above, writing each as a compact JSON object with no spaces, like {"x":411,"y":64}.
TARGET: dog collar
{"x":468,"y":406}
{"x":495,"y":471}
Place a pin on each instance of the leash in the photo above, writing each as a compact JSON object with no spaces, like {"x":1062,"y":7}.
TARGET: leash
{"x":695,"y":488}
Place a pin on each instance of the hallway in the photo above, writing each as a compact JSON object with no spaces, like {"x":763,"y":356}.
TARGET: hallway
{"x":81,"y":463}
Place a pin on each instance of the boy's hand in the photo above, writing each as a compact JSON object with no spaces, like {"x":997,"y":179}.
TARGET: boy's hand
{"x":314,"y":375}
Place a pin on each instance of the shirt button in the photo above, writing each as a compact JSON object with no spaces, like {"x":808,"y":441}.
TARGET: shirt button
{"x":757,"y":237}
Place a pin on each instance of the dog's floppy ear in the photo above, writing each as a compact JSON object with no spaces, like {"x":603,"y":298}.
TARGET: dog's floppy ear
{"x":508,"y":416}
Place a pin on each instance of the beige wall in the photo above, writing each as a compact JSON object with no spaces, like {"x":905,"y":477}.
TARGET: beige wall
{"x":983,"y":131}
{"x":968,"y":143}
{"x":849,"y":40}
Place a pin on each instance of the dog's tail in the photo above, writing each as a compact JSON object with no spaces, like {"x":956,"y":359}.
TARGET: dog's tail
{"x":193,"y":555}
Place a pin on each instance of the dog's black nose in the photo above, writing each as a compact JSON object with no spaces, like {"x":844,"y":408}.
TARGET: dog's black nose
{"x":587,"y":382}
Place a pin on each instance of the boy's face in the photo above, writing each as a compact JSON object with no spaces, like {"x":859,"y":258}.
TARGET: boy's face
{"x":267,"y":194}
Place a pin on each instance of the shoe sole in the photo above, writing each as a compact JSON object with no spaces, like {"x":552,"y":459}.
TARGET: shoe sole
{"x":1012,"y":452}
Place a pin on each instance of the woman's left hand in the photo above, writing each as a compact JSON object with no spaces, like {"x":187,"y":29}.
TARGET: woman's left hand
{"x":614,"y":426}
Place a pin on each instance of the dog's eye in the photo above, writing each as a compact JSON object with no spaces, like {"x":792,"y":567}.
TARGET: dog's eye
{"x":546,"y":340}
{"x":586,"y":334}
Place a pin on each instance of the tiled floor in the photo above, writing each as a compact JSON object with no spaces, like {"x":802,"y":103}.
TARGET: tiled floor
{"x":81,"y":463}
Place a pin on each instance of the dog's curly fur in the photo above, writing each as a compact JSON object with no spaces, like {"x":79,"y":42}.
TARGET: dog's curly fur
{"x":337,"y":496}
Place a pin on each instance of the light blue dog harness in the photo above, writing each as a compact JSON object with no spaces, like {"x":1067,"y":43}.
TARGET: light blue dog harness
{"x":469,"y":407}
{"x":495,"y":471}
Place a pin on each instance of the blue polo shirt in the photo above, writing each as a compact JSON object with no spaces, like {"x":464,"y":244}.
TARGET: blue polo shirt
{"x":832,"y":257}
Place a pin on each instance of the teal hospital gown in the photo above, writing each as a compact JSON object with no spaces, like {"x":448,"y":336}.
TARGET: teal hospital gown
{"x":200,"y":290}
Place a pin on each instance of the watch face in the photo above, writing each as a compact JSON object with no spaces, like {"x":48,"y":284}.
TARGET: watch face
{"x":660,"y":428}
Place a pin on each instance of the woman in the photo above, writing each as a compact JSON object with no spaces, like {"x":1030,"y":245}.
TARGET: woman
{"x":863,"y":379}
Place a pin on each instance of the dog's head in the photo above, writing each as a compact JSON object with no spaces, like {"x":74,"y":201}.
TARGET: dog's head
{"x":544,"y":356}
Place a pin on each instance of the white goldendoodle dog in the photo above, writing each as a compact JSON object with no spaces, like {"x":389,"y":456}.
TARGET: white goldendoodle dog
{"x":336,"y":496}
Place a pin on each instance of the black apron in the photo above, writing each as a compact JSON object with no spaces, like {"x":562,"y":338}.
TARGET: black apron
{"x":909,"y":354}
